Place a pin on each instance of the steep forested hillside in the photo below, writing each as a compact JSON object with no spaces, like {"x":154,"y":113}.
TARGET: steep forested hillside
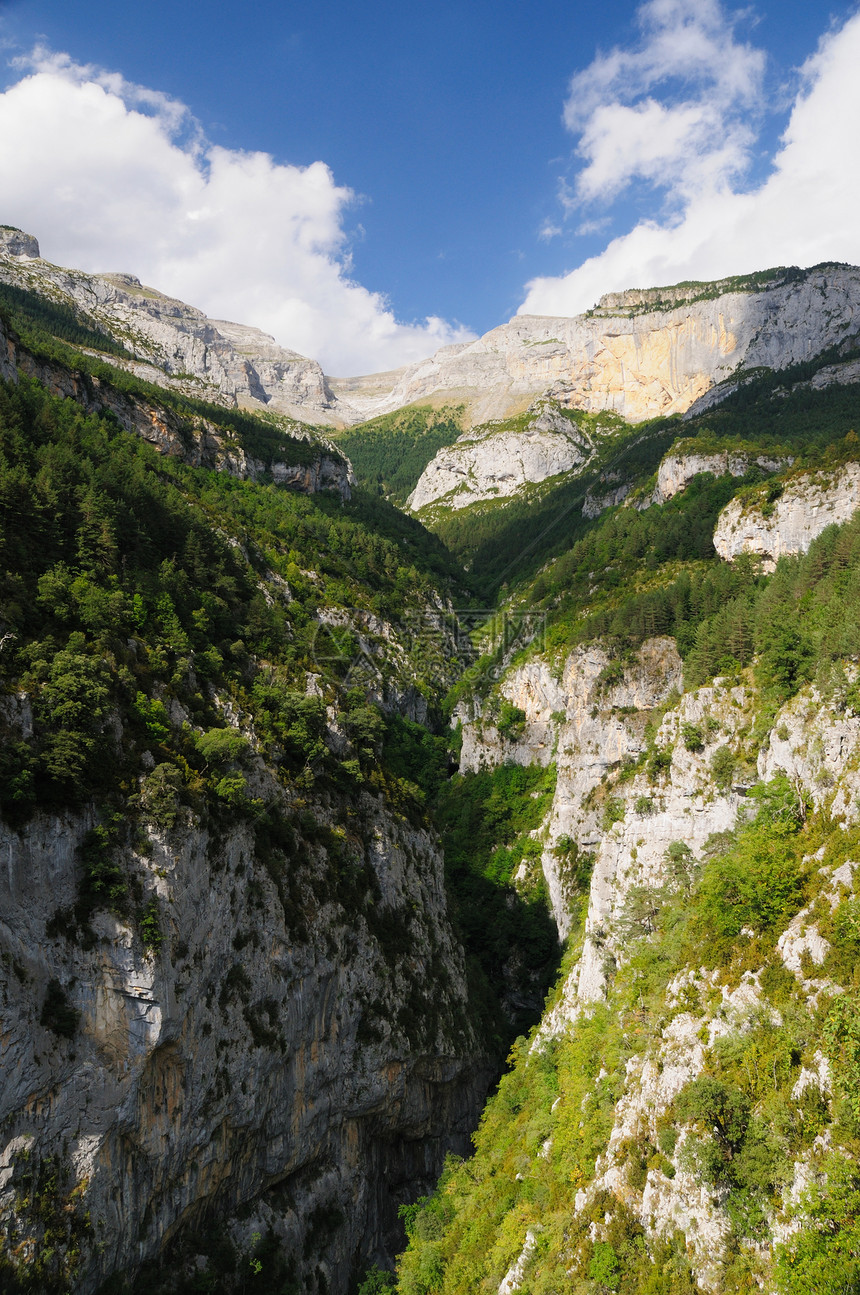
{"x":389,"y":453}
{"x":313,"y":811}
{"x":686,"y":1116}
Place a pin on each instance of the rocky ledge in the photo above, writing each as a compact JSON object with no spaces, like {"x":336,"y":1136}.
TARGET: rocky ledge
{"x":779,"y":519}
{"x":497,"y":461}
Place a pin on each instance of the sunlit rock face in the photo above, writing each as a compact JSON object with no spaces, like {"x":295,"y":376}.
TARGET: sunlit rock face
{"x":496,"y":462}
{"x":640,"y":354}
{"x":677,"y":470}
{"x":770,"y":528}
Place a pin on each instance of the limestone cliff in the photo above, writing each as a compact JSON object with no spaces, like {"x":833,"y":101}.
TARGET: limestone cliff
{"x":638,"y":354}
{"x":634,"y":821}
{"x":300,"y":1025}
{"x":499,"y":460}
{"x":684,"y":462}
{"x":776,"y":520}
{"x":174,"y":344}
{"x":586,"y":727}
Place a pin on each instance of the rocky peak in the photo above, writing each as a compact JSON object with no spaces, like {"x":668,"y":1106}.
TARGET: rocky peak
{"x":14,"y":242}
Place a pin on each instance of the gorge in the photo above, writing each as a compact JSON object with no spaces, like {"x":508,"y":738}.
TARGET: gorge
{"x":431,"y":800}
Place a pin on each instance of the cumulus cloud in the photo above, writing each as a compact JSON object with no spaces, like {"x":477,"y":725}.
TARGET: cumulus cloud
{"x":113,"y":176}
{"x":698,"y":133}
{"x":803,"y":213}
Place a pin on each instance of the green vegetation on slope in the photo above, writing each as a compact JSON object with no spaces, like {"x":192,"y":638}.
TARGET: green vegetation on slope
{"x":626,"y":577}
{"x":389,"y":453}
{"x":543,"y":1131}
{"x":132,"y":584}
{"x":125,"y":573}
{"x":507,"y":541}
{"x":38,"y":321}
{"x":53,"y":333}
{"x":486,"y":820}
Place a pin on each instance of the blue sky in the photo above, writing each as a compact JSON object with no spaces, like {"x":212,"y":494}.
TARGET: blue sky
{"x":473,"y":168}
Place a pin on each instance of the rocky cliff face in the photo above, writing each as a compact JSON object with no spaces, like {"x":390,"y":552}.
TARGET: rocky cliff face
{"x":638,"y":354}
{"x":586,"y":726}
{"x":788,"y":523}
{"x":631,"y":823}
{"x":498,"y":461}
{"x":175,"y":344}
{"x":298,"y":1038}
{"x":678,"y":468}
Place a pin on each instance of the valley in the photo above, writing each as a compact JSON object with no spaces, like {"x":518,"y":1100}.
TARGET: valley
{"x":430,"y":800}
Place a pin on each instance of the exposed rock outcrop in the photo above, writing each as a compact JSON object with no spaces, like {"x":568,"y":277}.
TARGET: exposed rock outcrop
{"x":815,"y":742}
{"x":14,"y":242}
{"x":498,"y":461}
{"x":680,"y":466}
{"x":587,"y":724}
{"x":596,"y":503}
{"x":279,"y":1031}
{"x":640,"y":353}
{"x":769,"y":527}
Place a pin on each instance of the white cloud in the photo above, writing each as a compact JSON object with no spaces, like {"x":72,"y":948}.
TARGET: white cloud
{"x":112,"y":176}
{"x":700,"y":135}
{"x":803,"y":213}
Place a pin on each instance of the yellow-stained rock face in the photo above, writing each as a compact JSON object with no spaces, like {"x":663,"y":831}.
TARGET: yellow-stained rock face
{"x":640,"y":356}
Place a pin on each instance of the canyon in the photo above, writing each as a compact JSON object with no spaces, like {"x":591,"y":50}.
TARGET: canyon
{"x":308,"y":806}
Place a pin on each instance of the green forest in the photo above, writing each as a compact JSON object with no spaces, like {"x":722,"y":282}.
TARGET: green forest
{"x":167,"y":631}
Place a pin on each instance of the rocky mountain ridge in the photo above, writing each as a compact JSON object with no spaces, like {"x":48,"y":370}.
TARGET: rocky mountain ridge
{"x":198,"y":441}
{"x":640,"y":354}
{"x":642,"y":358}
{"x":175,"y":344}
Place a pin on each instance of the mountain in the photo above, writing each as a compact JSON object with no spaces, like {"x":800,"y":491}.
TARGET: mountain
{"x":167,"y":342}
{"x":640,"y":354}
{"x":339,"y":764}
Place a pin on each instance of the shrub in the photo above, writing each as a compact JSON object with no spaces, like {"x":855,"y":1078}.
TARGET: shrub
{"x":692,"y":736}
{"x":376,"y":1281}
{"x":841,"y":1037}
{"x":659,"y":762}
{"x":824,"y":1254}
{"x":150,"y":925}
{"x":613,"y":812}
{"x":159,"y":795}
{"x":511,"y":723}
{"x":723,"y":767}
